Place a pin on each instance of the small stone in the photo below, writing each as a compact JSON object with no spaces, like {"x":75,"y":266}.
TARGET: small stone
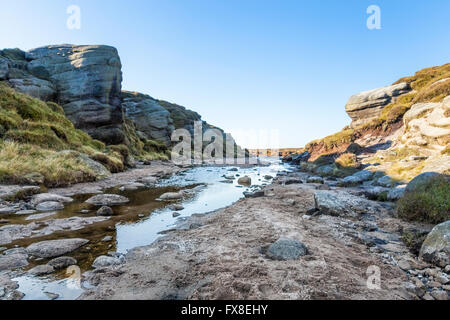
{"x":427,"y":296}
{"x":62,"y":262}
{"x":434,"y":284}
{"x":315,"y":179}
{"x":106,"y":261}
{"x":40,"y":216}
{"x":286,"y":249}
{"x":41,"y":270}
{"x":176,"y":214}
{"x":404,"y":265}
{"x":442,"y":278}
{"x":447,"y":269}
{"x":290,"y":202}
{"x":176,"y":207}
{"x":245,"y":181}
{"x":439,"y":294}
{"x":52,"y":296}
{"x":255,"y":194}
{"x":105,"y":211}
{"x":107,"y":200}
{"x":268,"y":177}
{"x":107,"y":239}
{"x":49,"y":206}
{"x":171,"y":196}
{"x":25,"y":212}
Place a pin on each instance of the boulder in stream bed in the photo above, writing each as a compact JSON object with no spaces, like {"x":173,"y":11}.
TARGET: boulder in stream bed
{"x":55,"y":248}
{"x":286,"y":249}
{"x":107,"y":200}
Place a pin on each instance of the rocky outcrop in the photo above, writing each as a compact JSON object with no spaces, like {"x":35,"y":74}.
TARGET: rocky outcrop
{"x":85,"y":80}
{"x":152,"y":121}
{"x":88,"y":82}
{"x":436,"y":248}
{"x":427,"y":125}
{"x":367,"y":105}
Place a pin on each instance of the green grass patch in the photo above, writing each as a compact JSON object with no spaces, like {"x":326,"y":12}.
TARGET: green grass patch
{"x":430,"y":202}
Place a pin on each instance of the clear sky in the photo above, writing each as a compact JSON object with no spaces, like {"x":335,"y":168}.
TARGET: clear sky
{"x":248,"y":64}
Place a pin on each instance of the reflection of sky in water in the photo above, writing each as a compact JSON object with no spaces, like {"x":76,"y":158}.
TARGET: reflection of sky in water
{"x":214,"y":196}
{"x":34,"y":288}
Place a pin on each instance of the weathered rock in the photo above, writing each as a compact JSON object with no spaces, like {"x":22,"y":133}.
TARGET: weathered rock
{"x":149,"y":181}
{"x":286,"y":249}
{"x":171,"y":196}
{"x":325,"y":170}
{"x":51,"y":295}
{"x":440,"y":294}
{"x":25,"y":212}
{"x":176,"y":207}
{"x":107,"y":200}
{"x":368,"y":105}
{"x":376,"y":193}
{"x":245,"y":181}
{"x":315,"y":180}
{"x":386,"y":182}
{"x":13,"y":261}
{"x":62,"y":262}
{"x":106,"y":261}
{"x":343,"y":204}
{"x":268,"y":177}
{"x":14,"y":192}
{"x":25,"y":82}
{"x":436,"y":248}
{"x":55,"y":248}
{"x":132,"y":186}
{"x":12,"y":232}
{"x":49,"y":206}
{"x":45,"y":197}
{"x":423,"y":178}
{"x":88,"y":81}
{"x":4,"y":68}
{"x":41,"y":270}
{"x":292,"y":180}
{"x":107,"y":239}
{"x":148,"y":116}
{"x":396,"y":193}
{"x":356,"y":178}
{"x":40,"y":216}
{"x":254,"y":194}
{"x":105,"y":211}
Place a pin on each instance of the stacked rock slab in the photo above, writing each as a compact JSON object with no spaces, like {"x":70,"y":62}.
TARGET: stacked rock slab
{"x":88,"y":84}
{"x":149,"y":117}
{"x":367,"y":105}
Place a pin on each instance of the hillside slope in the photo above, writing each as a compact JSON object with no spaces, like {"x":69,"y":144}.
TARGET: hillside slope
{"x":401,"y":130}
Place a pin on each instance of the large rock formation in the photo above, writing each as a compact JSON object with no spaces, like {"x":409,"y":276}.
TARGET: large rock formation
{"x":149,"y":117}
{"x":85,"y":80}
{"x":365,"y":106}
{"x":88,"y":81}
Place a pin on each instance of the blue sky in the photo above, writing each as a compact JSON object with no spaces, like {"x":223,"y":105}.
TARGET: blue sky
{"x":245,"y":64}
